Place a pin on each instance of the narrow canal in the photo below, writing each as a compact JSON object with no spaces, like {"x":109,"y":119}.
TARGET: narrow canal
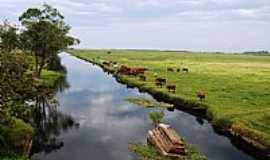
{"x":105,"y":123}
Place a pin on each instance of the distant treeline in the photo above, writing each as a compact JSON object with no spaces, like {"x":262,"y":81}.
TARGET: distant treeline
{"x":258,"y":53}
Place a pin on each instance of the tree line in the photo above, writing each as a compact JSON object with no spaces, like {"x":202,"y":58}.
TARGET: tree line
{"x":25,"y":51}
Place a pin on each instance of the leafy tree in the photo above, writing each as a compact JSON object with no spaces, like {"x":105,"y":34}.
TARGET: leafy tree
{"x":45,"y":34}
{"x":9,"y":38}
{"x":16,"y":85}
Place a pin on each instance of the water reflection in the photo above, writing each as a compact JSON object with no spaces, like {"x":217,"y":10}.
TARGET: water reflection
{"x":108,"y":123}
{"x":48,"y":121}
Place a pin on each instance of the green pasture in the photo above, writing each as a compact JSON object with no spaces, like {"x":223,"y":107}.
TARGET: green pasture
{"x":237,"y":86}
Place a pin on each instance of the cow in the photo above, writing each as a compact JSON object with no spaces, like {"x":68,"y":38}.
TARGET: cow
{"x":171,"y":87}
{"x":159,"y":84}
{"x":140,"y":70}
{"x":106,"y":63}
{"x":185,"y":70}
{"x":131,"y":71}
{"x":201,"y":95}
{"x":142,"y":77}
{"x":124,"y":69}
{"x":162,"y":80}
{"x":170,"y":69}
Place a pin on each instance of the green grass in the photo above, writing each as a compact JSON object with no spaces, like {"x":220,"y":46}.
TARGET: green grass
{"x":146,"y":152}
{"x":237,"y":86}
{"x":148,"y":103}
{"x":48,"y":78}
{"x":13,"y":157}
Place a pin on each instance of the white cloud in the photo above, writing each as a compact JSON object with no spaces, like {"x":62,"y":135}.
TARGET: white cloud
{"x":167,"y":24}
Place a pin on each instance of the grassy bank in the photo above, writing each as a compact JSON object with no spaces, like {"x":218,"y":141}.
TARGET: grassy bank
{"x":147,"y":152}
{"x":48,"y":78}
{"x":237,"y":86}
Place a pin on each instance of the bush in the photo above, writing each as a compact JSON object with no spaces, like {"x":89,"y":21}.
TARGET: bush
{"x":15,"y":136}
{"x":156,"y":117}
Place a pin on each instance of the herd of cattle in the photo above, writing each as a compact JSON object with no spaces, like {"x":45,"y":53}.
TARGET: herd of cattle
{"x":159,"y":82}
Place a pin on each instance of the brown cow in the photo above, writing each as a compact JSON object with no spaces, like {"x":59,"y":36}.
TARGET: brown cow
{"x":171,"y":87}
{"x":142,"y":77}
{"x":106,"y":63}
{"x":124,"y":69}
{"x":185,"y":70}
{"x":170,"y":69}
{"x":160,"y":82}
{"x":201,"y":94}
{"x":131,"y":71}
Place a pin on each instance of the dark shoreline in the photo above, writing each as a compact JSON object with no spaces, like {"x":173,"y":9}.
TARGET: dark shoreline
{"x":200,"y":111}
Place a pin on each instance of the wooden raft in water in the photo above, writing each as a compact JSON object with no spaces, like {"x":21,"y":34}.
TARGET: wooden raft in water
{"x":166,"y":140}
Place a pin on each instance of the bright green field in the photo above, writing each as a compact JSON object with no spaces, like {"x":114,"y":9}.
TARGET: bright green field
{"x":237,"y":86}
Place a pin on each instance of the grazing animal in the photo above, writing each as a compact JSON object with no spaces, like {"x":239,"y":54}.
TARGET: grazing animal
{"x":161,"y":80}
{"x":171,"y":87}
{"x":170,"y":69}
{"x":185,"y":70}
{"x":201,"y":95}
{"x":159,"y":84}
{"x":106,"y":63}
{"x":131,"y":71}
{"x":123,"y":69}
{"x":140,"y":70}
{"x":178,"y":70}
{"x":142,"y":78}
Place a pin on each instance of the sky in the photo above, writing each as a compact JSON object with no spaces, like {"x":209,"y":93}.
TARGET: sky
{"x":198,"y":25}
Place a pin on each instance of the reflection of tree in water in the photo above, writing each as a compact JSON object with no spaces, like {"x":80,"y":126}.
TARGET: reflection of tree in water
{"x":55,"y":64}
{"x":61,"y":85}
{"x":48,"y":121}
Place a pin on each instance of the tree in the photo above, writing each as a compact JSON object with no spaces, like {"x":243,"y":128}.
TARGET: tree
{"x":9,"y":38}
{"x":16,"y":84}
{"x":45,"y":34}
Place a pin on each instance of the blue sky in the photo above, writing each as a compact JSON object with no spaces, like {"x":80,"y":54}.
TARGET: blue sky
{"x":200,"y":25}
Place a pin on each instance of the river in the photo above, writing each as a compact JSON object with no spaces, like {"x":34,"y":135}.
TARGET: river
{"x":107,"y":123}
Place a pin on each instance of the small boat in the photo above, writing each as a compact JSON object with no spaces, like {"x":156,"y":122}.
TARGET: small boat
{"x":167,"y":141}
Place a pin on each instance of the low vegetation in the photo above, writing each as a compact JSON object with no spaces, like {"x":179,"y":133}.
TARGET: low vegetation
{"x":233,"y":88}
{"x":147,"y":152}
{"x":148,"y":103}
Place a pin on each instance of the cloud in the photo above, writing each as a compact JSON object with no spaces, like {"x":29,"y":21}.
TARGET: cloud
{"x":161,"y":24}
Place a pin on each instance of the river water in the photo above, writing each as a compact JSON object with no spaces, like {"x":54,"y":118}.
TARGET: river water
{"x":106,"y":123}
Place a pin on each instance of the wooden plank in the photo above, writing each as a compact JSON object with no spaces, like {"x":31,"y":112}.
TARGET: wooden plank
{"x":167,"y":141}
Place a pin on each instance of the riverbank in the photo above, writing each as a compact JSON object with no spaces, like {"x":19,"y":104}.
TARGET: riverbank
{"x":237,"y":102}
{"x":16,"y":134}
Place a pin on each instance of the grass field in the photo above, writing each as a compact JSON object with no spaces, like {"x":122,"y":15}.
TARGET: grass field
{"x":237,"y":86}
